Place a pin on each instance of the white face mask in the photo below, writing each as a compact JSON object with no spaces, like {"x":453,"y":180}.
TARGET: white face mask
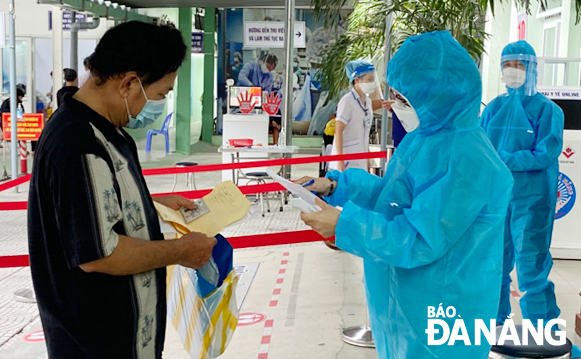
{"x":513,"y":77}
{"x":264,"y":68}
{"x":406,"y":114}
{"x":367,"y":87}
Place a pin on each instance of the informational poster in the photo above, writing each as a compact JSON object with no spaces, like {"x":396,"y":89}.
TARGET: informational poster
{"x":254,"y":55}
{"x":67,"y":19}
{"x":197,"y":42}
{"x":562,"y":94}
{"x":28,"y":128}
{"x":566,"y":242}
{"x":270,"y":34}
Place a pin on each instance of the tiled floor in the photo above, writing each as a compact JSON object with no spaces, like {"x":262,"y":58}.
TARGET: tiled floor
{"x":322,"y":290}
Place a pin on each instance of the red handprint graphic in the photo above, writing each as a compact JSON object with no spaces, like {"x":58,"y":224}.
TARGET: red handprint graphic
{"x":245,"y":100}
{"x":272,"y":104}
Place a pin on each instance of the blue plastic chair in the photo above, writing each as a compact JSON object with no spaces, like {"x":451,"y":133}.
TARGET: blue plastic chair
{"x":164,"y":131}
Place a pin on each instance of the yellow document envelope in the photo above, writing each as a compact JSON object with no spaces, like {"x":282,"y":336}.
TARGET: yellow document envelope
{"x":226,"y":204}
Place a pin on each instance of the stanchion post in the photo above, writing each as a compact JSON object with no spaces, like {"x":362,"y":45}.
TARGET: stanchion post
{"x":360,"y":335}
{"x":13,"y":97}
{"x":288,"y":79}
{"x":5,"y":175}
{"x":23,"y":158}
{"x":386,"y":121}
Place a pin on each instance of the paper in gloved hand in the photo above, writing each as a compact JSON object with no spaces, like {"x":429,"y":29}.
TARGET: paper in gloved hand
{"x":303,"y":199}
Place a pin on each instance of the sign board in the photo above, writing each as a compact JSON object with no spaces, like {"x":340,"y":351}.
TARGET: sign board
{"x":29,"y":128}
{"x":565,"y":243}
{"x":67,"y":19}
{"x":522,"y":26}
{"x":562,"y":94}
{"x":197,"y":42}
{"x":270,"y":34}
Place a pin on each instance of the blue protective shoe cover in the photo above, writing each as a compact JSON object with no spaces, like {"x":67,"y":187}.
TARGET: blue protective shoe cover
{"x":575,"y":352}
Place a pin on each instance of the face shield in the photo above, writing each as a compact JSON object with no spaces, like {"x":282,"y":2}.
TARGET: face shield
{"x":405,"y":112}
{"x":368,"y":84}
{"x":362,"y":74}
{"x":519,"y":73}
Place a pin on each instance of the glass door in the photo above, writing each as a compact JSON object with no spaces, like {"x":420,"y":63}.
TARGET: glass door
{"x":24,"y":73}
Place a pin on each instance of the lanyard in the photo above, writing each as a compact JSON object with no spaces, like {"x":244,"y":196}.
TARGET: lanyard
{"x":365,"y":110}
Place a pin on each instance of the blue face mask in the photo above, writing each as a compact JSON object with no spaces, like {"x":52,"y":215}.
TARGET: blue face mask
{"x":149,"y":113}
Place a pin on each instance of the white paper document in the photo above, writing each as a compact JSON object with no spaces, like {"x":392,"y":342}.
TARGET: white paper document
{"x":296,"y":189}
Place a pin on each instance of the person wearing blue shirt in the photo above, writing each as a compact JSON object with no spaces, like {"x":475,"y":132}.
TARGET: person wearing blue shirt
{"x":526,"y":128}
{"x":259,"y":73}
{"x":429,"y":231}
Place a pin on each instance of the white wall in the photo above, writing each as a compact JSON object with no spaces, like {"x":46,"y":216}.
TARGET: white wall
{"x":503,"y":29}
{"x":43,"y":59}
{"x":32,"y":25}
{"x":32,"y":21}
{"x":498,"y":27}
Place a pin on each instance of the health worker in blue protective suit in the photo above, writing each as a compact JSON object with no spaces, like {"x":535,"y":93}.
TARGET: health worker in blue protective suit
{"x":429,"y":231}
{"x":526,"y":128}
{"x":259,"y":73}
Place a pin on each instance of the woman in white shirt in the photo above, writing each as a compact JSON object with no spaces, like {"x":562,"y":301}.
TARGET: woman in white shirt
{"x":355,"y":115}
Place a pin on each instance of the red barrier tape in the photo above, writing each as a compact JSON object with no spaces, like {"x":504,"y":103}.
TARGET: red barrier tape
{"x":255,"y":189}
{"x":227,"y":166}
{"x":16,"y":206}
{"x":14,"y":261}
{"x":14,"y":183}
{"x":13,"y":206}
{"x":259,"y":240}
{"x":275,"y":239}
{"x":269,"y":163}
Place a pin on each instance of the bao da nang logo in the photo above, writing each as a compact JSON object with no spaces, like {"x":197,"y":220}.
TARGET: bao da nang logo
{"x":566,"y":196}
{"x":440,"y":333}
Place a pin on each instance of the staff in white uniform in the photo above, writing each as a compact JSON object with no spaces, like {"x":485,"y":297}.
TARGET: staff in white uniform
{"x":355,"y":115}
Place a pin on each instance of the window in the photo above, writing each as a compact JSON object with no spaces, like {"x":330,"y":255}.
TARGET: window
{"x":551,"y":35}
{"x":554,"y":7}
{"x":22,"y":52}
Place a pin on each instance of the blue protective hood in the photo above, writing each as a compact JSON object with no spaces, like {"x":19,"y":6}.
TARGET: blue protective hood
{"x":439,"y":78}
{"x":523,"y":52}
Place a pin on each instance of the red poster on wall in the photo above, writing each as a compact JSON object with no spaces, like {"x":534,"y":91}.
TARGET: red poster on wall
{"x":28,"y":128}
{"x":522,"y":27}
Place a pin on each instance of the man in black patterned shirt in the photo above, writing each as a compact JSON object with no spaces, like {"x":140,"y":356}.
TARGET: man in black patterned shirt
{"x":97,"y":254}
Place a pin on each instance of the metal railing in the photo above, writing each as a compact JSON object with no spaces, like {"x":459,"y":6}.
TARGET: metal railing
{"x":561,"y":71}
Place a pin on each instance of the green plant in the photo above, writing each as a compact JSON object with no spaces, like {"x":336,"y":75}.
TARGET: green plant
{"x":365,"y":36}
